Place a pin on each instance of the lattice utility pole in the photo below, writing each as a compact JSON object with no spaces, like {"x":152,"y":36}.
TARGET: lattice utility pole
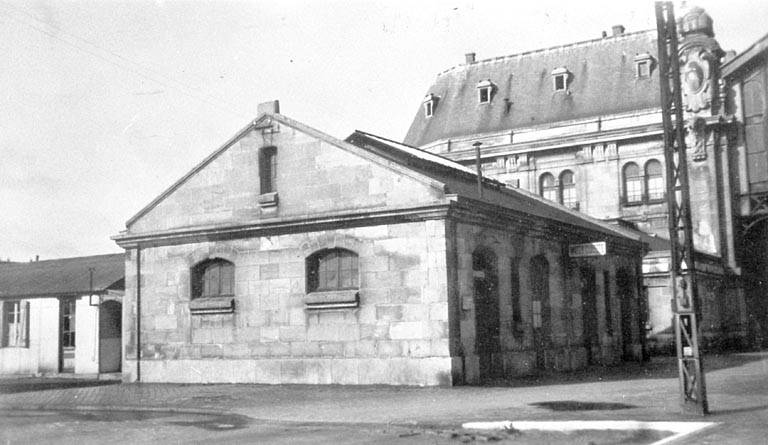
{"x":682,"y":267}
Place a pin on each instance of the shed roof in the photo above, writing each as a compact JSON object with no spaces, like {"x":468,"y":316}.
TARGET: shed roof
{"x":602,"y":80}
{"x":459,"y":179}
{"x":65,"y":276}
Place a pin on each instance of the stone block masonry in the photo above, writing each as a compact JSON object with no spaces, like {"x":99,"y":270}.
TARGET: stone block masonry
{"x":397,"y":335}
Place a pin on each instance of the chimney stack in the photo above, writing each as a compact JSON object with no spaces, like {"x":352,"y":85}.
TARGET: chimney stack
{"x":271,"y":107}
{"x":618,"y":30}
{"x":469,"y":58}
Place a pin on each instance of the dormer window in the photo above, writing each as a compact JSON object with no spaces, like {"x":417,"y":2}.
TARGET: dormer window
{"x":430,"y":101}
{"x":643,"y":65}
{"x":560,"y":79}
{"x":485,"y":91}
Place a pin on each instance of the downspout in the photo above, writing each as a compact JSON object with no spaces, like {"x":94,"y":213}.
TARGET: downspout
{"x":138,"y":313}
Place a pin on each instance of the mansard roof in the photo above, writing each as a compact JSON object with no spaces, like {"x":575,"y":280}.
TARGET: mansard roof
{"x":601,"y":81}
{"x":63,"y":276}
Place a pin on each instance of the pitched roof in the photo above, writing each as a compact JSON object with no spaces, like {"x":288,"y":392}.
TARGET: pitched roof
{"x":261,"y":120}
{"x":461,"y":180}
{"x":601,"y":81}
{"x":65,"y":276}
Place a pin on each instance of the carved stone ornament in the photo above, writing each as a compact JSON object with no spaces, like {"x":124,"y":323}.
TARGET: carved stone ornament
{"x":696,"y":77}
{"x":696,"y":138}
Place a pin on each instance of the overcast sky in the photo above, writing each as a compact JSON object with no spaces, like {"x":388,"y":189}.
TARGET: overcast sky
{"x":106,"y":104}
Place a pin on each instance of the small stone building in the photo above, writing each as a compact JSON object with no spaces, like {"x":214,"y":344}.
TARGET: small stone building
{"x":289,"y":256}
{"x":61,"y":316}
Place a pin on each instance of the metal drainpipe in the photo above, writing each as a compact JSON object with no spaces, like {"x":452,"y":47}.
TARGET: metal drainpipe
{"x":138,"y":313}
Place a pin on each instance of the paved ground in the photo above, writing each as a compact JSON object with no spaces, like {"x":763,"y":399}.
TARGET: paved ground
{"x":737,"y":388}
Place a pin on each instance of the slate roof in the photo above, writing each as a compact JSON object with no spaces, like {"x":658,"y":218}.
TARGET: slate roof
{"x":602,"y":82}
{"x":461,"y":180}
{"x":65,"y":276}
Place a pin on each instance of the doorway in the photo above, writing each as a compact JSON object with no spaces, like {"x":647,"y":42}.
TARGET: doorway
{"x":589,"y":313}
{"x":67,"y":324}
{"x":110,"y":335}
{"x":486,"y":286}
{"x":626,"y":295}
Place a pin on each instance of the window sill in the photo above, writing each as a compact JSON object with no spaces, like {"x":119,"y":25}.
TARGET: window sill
{"x":632,"y":203}
{"x":268,"y":199}
{"x":212,"y":305}
{"x":337,"y":299}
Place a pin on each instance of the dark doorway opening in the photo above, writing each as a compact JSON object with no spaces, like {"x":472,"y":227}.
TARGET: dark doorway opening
{"x":487,"y":342}
{"x":540,"y":310}
{"x":589,"y":313}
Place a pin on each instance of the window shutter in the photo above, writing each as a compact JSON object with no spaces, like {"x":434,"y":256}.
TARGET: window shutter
{"x":24,"y":341}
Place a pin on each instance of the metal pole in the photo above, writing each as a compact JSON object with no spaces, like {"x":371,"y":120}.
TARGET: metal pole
{"x":682,"y":268}
{"x":138,"y":313}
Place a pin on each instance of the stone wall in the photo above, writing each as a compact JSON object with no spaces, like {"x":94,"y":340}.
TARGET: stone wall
{"x":518,"y":351}
{"x":398,"y":335}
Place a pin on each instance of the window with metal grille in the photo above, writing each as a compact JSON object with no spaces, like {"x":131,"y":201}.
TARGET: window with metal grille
{"x":332,"y":269}
{"x":547,"y":187}
{"x":633,"y":184}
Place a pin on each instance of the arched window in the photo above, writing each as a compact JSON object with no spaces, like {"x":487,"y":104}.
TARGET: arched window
{"x":568,"y":190}
{"x":332,"y":269}
{"x":633,"y":184}
{"x":213,"y":278}
{"x":547,"y":188}
{"x":267,"y":169}
{"x":654,"y":180}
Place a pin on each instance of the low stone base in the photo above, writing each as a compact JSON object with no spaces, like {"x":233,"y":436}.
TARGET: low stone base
{"x":429,"y":371}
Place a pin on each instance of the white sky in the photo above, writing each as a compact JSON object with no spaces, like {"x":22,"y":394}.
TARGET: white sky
{"x":105,"y":104}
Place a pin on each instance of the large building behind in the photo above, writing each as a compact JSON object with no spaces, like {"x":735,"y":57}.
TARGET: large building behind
{"x":580,"y":124}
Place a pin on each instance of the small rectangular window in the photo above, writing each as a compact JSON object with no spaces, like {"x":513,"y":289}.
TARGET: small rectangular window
{"x":268,"y":169}
{"x":15,"y":324}
{"x":428,"y":108}
{"x":485,"y":95}
{"x":560,"y":82}
{"x":643,"y":68}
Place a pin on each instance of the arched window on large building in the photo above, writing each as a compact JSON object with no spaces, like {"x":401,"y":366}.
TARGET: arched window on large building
{"x":633,"y":184}
{"x":547,"y":187}
{"x":654,"y":181}
{"x":567,"y":190}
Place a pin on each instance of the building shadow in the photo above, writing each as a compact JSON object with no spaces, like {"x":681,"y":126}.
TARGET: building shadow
{"x":659,"y":367}
{"x":13,"y":386}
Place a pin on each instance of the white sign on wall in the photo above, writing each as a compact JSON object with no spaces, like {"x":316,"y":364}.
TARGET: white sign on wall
{"x":587,"y":249}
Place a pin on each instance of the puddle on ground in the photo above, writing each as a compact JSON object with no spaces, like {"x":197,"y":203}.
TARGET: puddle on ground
{"x":575,"y":405}
{"x":222,"y":422}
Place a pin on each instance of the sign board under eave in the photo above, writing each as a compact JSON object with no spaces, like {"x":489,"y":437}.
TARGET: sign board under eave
{"x":587,"y":249}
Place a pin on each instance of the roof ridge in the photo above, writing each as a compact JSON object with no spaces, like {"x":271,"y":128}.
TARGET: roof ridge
{"x":415,"y":148}
{"x":26,"y":263}
{"x":543,"y":50}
